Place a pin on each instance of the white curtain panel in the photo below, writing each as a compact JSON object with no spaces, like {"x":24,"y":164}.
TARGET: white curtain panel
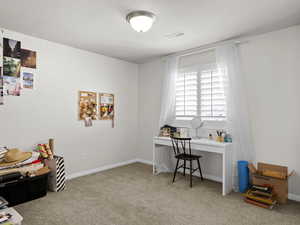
{"x":168,"y":92}
{"x":238,"y":121}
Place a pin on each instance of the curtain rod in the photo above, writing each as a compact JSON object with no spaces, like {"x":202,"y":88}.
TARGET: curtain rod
{"x":207,"y":47}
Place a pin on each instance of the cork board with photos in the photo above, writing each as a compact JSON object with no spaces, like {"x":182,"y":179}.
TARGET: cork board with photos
{"x":87,"y":105}
{"x":106,"y":106}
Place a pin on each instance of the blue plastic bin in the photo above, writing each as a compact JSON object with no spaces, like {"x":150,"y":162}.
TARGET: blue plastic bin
{"x":243,"y":173}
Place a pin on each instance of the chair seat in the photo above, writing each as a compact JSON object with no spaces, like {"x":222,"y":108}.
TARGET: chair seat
{"x":188,"y":156}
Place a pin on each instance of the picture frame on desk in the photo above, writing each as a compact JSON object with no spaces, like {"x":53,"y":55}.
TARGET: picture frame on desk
{"x":165,"y":132}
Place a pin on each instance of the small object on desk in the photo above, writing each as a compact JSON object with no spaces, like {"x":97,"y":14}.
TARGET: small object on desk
{"x":227,"y":138}
{"x":176,"y":134}
{"x":219,"y":139}
{"x":196,"y":123}
{"x":210,"y":137}
{"x":220,"y":136}
{"x":167,"y":131}
{"x":183,"y":132}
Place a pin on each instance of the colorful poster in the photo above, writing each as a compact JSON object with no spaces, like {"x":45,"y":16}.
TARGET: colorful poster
{"x":27,"y":80}
{"x":106,"y":110}
{"x":12,"y":86}
{"x":28,"y":58}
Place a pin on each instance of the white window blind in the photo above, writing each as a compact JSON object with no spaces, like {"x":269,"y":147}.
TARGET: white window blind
{"x":212,"y":96}
{"x":187,"y":94}
{"x":199,"y":88}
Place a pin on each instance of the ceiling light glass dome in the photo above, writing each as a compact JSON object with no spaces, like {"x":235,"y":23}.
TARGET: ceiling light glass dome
{"x":140,"y":21}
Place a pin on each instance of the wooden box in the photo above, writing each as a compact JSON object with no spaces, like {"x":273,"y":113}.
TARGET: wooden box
{"x":275,"y":176}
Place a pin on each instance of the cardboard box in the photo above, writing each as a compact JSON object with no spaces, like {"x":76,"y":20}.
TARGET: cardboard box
{"x":274,"y":176}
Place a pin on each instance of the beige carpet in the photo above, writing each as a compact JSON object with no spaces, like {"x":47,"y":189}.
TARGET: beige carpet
{"x":131,"y":195}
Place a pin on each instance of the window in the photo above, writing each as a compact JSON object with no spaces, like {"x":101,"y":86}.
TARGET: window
{"x":200,"y":93}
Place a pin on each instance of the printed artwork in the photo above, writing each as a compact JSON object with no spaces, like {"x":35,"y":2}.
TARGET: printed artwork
{"x":11,"y":48}
{"x":11,"y":67}
{"x":27,"y":80}
{"x":106,"y":102}
{"x":12,"y":86}
{"x":28,"y":58}
{"x":11,"y":57}
{"x":87,"y":105}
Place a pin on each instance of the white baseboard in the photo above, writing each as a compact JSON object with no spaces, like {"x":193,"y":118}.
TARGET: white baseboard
{"x":102,"y":168}
{"x":213,"y":178}
{"x":294,"y":197}
{"x":148,"y":162}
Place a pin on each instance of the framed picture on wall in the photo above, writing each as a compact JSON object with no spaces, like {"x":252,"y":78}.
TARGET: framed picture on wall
{"x":106,"y":106}
{"x":28,"y":58}
{"x":87,"y":105}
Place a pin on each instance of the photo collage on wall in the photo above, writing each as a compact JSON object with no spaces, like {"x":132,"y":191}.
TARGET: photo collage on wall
{"x":17,"y":70}
{"x":11,"y":67}
{"x":88,"y":107}
{"x":106,"y":102}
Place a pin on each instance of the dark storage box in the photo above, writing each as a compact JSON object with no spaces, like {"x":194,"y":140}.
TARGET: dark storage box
{"x":24,"y":190}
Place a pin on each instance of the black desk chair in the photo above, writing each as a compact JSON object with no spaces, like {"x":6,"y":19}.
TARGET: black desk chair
{"x":179,"y":147}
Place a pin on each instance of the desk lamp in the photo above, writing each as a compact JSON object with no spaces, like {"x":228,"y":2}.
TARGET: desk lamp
{"x":196,"y":123}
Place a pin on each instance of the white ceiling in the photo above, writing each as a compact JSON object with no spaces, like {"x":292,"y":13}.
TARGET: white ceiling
{"x":100,"y":26}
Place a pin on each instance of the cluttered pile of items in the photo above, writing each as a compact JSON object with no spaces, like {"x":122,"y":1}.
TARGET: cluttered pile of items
{"x":183,"y":132}
{"x":25,"y":176}
{"x":269,"y":185}
{"x":15,"y":163}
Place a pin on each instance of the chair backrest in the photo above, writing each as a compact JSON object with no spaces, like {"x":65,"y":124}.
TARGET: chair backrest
{"x":180,"y":145}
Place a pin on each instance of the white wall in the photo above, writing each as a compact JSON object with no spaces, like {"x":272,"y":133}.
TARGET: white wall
{"x":51,"y":109}
{"x":270,"y":65}
{"x":150,"y":80}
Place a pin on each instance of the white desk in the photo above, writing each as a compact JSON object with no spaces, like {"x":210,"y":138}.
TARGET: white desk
{"x":205,"y":145}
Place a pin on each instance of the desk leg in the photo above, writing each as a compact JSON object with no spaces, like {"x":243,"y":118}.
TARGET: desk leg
{"x":153,"y":160}
{"x":159,"y":155}
{"x":227,"y":172}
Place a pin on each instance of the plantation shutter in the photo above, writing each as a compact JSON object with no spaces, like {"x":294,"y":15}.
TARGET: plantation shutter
{"x":199,"y":88}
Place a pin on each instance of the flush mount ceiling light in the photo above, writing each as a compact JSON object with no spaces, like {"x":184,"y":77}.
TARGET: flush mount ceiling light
{"x":140,"y":21}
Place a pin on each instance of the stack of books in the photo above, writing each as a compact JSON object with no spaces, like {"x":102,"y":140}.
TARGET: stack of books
{"x":262,"y":196}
